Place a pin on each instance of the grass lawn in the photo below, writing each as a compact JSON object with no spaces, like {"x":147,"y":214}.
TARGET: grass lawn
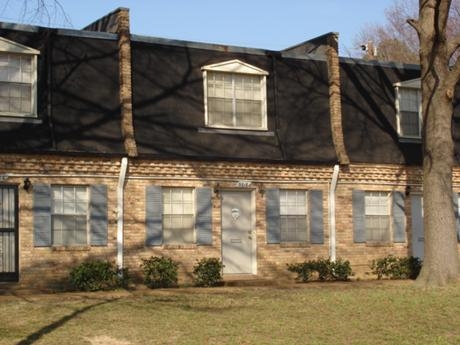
{"x":313,"y":313}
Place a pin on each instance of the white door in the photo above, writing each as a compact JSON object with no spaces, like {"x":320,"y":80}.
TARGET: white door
{"x":238,"y":237}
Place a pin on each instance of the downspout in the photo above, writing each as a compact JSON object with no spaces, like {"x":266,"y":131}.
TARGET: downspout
{"x":120,"y":213}
{"x":332,"y":233}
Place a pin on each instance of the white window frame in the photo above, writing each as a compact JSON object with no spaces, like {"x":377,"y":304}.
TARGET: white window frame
{"x":14,"y":48}
{"x":415,"y":85}
{"x":193,"y":214}
{"x":387,"y":213}
{"x":304,"y":213}
{"x":57,"y":214}
{"x":237,"y":67}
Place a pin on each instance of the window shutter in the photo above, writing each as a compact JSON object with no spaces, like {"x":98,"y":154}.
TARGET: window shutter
{"x":457,"y":215}
{"x":399,"y":224}
{"x":154,"y":216}
{"x":203,"y":216}
{"x":316,"y":216}
{"x":42,"y":215}
{"x":272,"y":208}
{"x":98,"y":215}
{"x":359,"y":223}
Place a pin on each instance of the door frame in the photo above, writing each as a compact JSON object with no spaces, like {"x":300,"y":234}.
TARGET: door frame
{"x":13,"y":276}
{"x":251,"y":193}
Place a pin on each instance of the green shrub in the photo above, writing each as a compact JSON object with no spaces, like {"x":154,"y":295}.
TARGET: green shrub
{"x":341,"y":269}
{"x":98,"y":275}
{"x":303,"y":270}
{"x":396,"y":267}
{"x":325,"y":268}
{"x":208,"y":272}
{"x":159,"y":272}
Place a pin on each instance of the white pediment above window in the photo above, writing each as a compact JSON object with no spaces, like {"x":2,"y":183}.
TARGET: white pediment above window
{"x":234,"y":66}
{"x":14,"y":47}
{"x":412,"y":83}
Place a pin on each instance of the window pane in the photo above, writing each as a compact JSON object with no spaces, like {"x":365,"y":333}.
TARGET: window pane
{"x":81,"y":207}
{"x":16,"y":76}
{"x":220,"y":112}
{"x":409,"y":108}
{"x":80,"y":194}
{"x":409,"y":99}
{"x":234,"y":100}
{"x":249,"y":113}
{"x":409,"y":123}
{"x":377,"y":216}
{"x":69,"y":219}
{"x":178,"y":218}
{"x":293,"y":216}
{"x":293,"y":228}
{"x":376,"y":203}
{"x":377,"y":228}
{"x":68,"y":208}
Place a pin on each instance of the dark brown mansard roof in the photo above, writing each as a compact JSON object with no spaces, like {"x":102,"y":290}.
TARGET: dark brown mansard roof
{"x":79,"y":110}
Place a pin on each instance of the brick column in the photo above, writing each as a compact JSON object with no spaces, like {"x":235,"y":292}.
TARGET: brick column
{"x":335,"y":98}
{"x":126,"y":105}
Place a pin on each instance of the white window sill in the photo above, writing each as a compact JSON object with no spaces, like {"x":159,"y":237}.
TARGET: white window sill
{"x":20,"y":119}
{"x":379,"y":244}
{"x":294,"y":244}
{"x":180,"y":246}
{"x":236,"y":131}
{"x":80,"y":248}
{"x":409,"y":140}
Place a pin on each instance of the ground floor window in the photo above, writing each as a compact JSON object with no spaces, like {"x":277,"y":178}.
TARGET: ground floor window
{"x":69,"y":218}
{"x":293,"y":213}
{"x":377,"y":209}
{"x":178,"y":216}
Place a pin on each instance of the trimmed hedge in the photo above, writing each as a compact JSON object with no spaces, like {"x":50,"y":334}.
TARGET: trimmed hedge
{"x":396,"y":267}
{"x":159,"y":272}
{"x":208,"y":272}
{"x":325,"y":269}
{"x":98,"y":275}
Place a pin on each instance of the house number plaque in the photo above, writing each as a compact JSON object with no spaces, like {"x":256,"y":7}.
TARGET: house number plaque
{"x":243,"y":184}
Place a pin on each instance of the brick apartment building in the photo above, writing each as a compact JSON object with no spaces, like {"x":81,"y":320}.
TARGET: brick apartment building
{"x":119,"y":147}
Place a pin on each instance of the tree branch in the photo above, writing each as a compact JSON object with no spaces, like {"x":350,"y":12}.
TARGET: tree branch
{"x":415,"y":24}
{"x":453,"y":45}
{"x":454,"y":74}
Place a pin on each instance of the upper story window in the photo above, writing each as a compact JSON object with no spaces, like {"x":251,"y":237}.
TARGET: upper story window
{"x":235,"y":96}
{"x":409,"y":109}
{"x":18,"y":79}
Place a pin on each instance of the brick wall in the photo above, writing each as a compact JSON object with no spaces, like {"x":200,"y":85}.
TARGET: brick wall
{"x":50,"y":266}
{"x":47,"y":266}
{"x":271,"y":258}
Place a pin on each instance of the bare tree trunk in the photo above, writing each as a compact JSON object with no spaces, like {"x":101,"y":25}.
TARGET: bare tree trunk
{"x":441,"y":263}
{"x":441,"y":254}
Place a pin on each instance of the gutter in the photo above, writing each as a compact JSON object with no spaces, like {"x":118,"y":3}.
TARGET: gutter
{"x":120,"y":213}
{"x":332,"y":232}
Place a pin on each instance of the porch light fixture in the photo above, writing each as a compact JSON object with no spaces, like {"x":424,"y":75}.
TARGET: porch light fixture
{"x":217,"y":190}
{"x":408,"y":190}
{"x":27,"y":184}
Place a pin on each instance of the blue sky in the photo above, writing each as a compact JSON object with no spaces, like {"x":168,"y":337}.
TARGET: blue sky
{"x":267,"y":24}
